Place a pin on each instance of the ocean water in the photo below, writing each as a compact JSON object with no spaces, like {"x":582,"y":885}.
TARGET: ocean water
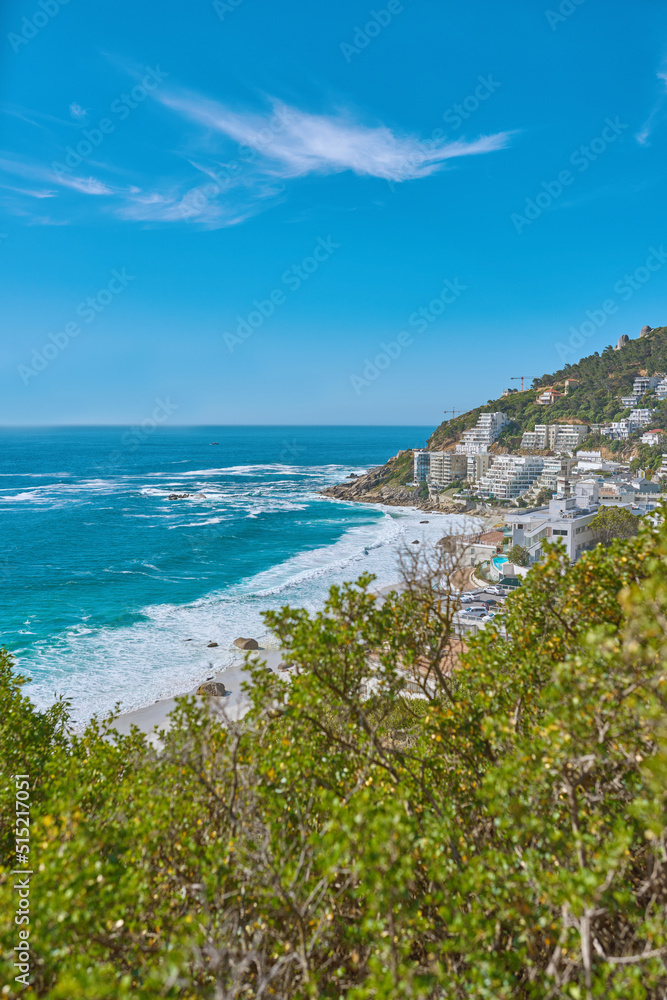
{"x":103,"y":579}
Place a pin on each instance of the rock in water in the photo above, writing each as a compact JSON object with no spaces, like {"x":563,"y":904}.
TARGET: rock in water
{"x":212,"y":644}
{"x":246,"y":643}
{"x":212,"y":688}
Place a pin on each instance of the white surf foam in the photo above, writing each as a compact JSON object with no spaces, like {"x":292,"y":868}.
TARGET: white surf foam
{"x":151,"y":660}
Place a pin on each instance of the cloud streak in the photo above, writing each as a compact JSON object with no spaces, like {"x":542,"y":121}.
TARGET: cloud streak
{"x":234,"y":164}
{"x":295,"y":143}
{"x":646,"y":130}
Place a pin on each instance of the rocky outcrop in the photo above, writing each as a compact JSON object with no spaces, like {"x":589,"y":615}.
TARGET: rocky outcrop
{"x":213,"y":689}
{"x":372,"y":488}
{"x":246,"y":643}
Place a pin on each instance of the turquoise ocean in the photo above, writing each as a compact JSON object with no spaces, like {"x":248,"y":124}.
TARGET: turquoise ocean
{"x":110,"y":592}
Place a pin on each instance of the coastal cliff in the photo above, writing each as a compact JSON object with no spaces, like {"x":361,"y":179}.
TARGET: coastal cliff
{"x":388,"y":484}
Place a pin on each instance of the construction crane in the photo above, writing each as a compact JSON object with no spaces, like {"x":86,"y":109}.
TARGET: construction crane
{"x":454,"y":412}
{"x":515,"y":378}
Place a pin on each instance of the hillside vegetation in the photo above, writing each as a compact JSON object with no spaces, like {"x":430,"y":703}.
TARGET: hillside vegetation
{"x":504,"y":838}
{"x":603,"y":379}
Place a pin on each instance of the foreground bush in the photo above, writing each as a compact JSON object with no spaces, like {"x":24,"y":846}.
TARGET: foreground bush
{"x":504,"y":836}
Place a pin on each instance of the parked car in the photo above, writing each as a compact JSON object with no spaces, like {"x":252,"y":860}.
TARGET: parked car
{"x":494,"y":590}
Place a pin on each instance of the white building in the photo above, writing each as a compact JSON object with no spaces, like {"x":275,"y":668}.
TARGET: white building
{"x":511,"y":475}
{"x":479,"y":465}
{"x":652,"y":437}
{"x":641,"y":418}
{"x":440,"y":468}
{"x":554,"y":469}
{"x":661,"y":389}
{"x":620,"y":430}
{"x":481,"y":437}
{"x":643,"y":384}
{"x":554,"y":437}
{"x":565,"y":518}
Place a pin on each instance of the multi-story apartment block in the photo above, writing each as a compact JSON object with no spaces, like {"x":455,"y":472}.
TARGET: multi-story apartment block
{"x":422,"y":465}
{"x":440,"y":468}
{"x":641,"y":418}
{"x":662,"y":471}
{"x":564,"y":518}
{"x":644,"y":384}
{"x":620,"y":430}
{"x":511,"y":475}
{"x":661,"y":389}
{"x":554,"y":468}
{"x":481,"y":437}
{"x":589,"y":456}
{"x":554,"y":437}
{"x":479,"y":465}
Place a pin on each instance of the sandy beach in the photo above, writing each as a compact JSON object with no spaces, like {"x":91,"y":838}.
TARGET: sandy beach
{"x":235,"y":703}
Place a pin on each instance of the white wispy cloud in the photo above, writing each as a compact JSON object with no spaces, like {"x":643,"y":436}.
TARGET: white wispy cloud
{"x":293,"y":143}
{"x":656,"y":114}
{"x":31,"y":171}
{"x":234,"y":164}
{"x":77,"y":112}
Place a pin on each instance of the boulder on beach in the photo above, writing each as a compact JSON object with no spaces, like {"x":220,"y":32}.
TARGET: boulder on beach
{"x":212,"y":688}
{"x":212,"y":644}
{"x":246,"y":643}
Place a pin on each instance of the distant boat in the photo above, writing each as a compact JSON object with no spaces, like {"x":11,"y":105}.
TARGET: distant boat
{"x":214,"y":442}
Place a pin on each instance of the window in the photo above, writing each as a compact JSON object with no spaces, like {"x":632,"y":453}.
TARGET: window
{"x":559,"y":531}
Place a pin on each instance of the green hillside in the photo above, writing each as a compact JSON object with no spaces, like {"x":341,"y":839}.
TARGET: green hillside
{"x":603,"y":379}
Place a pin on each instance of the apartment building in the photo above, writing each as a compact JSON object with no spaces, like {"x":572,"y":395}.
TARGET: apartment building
{"x":644,"y":384}
{"x":554,"y":437}
{"x":480,"y":438}
{"x":440,"y":468}
{"x":564,"y":518}
{"x":620,"y":430}
{"x":554,"y":469}
{"x":511,"y":475}
{"x":479,"y":465}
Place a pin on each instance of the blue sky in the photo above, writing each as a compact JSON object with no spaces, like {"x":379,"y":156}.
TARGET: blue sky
{"x":321,"y":213}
